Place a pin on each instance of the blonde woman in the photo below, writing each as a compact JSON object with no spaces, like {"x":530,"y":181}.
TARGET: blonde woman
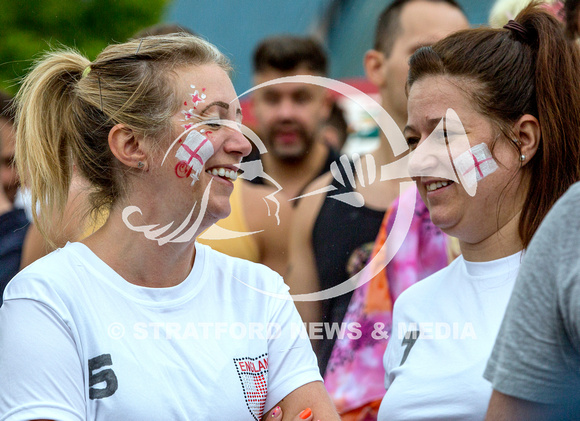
{"x":138,"y":321}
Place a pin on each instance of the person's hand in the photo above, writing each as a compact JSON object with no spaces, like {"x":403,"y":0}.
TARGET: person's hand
{"x":277,"y":414}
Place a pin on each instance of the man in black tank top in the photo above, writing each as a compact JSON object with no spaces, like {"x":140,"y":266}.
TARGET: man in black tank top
{"x":332,"y":240}
{"x":341,"y":251}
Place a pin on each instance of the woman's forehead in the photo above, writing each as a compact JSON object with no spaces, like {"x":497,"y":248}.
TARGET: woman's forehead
{"x":209,"y":80}
{"x":430,"y":97}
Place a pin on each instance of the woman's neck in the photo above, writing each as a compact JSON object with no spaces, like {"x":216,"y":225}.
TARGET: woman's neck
{"x":502,"y":243}
{"x":139,"y":260}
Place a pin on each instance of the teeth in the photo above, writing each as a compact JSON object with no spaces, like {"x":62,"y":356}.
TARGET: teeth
{"x":225,"y":173}
{"x":436,"y":185}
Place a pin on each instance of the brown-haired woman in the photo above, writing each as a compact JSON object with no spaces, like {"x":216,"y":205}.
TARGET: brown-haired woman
{"x":516,"y":93}
{"x":138,"y":321}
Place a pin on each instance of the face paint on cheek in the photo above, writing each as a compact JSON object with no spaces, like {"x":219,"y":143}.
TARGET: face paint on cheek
{"x":474,"y":165}
{"x":193,"y":153}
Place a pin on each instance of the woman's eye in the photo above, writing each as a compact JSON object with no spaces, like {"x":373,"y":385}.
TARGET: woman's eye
{"x":413,"y":142}
{"x":213,"y":123}
{"x":455,"y":136}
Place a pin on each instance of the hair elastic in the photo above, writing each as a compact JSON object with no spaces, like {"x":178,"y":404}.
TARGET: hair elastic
{"x":518,"y":29}
{"x":86,"y":71}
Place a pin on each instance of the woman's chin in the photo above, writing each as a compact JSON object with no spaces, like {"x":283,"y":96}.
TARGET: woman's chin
{"x":217,"y":213}
{"x":444,"y":222}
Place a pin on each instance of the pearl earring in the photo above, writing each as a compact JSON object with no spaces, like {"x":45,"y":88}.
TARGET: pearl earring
{"x":522,"y":158}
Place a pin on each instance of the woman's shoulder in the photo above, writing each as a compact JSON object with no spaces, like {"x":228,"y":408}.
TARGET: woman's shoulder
{"x":49,"y":275}
{"x":429,"y":287}
{"x":254,"y":274}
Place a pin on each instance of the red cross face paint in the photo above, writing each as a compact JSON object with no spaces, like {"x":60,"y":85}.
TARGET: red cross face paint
{"x":192,"y":154}
{"x":475,"y":164}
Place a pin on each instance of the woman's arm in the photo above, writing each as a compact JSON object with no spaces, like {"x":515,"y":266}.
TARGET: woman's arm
{"x":508,"y":408}
{"x":312,"y":396}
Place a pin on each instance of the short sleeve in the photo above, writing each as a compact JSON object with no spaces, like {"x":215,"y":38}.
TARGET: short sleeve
{"x":535,"y":356}
{"x":41,"y":372}
{"x":291,"y":361}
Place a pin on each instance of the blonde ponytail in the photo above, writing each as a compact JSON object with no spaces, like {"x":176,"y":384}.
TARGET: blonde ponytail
{"x":46,"y":129}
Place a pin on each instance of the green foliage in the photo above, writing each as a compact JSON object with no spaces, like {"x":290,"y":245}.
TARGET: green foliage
{"x":29,"y":27}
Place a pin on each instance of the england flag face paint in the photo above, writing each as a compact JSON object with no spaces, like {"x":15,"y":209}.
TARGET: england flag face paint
{"x":193,"y":153}
{"x":475,"y":164}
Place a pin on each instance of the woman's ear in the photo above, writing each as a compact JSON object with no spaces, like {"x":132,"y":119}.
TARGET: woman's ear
{"x":127,"y":147}
{"x":527,"y":132}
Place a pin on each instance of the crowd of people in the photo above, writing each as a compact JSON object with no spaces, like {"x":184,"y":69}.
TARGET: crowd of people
{"x":158,"y":256}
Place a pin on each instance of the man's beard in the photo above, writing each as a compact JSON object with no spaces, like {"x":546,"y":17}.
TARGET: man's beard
{"x":305,"y":139}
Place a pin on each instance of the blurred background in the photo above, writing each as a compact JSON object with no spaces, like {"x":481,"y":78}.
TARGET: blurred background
{"x":345,"y":26}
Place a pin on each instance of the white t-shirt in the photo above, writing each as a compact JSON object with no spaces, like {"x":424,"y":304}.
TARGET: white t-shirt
{"x":79,"y":342}
{"x":436,"y":372}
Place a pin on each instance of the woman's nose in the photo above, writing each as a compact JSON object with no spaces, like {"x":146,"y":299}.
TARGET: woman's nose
{"x":236,"y":142}
{"x":431,"y":157}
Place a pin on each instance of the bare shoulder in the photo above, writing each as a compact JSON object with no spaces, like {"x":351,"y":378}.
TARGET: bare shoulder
{"x":268,"y":212}
{"x":313,"y":197}
{"x":318,"y":183}
{"x":70,"y":226}
{"x":261,"y":202}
